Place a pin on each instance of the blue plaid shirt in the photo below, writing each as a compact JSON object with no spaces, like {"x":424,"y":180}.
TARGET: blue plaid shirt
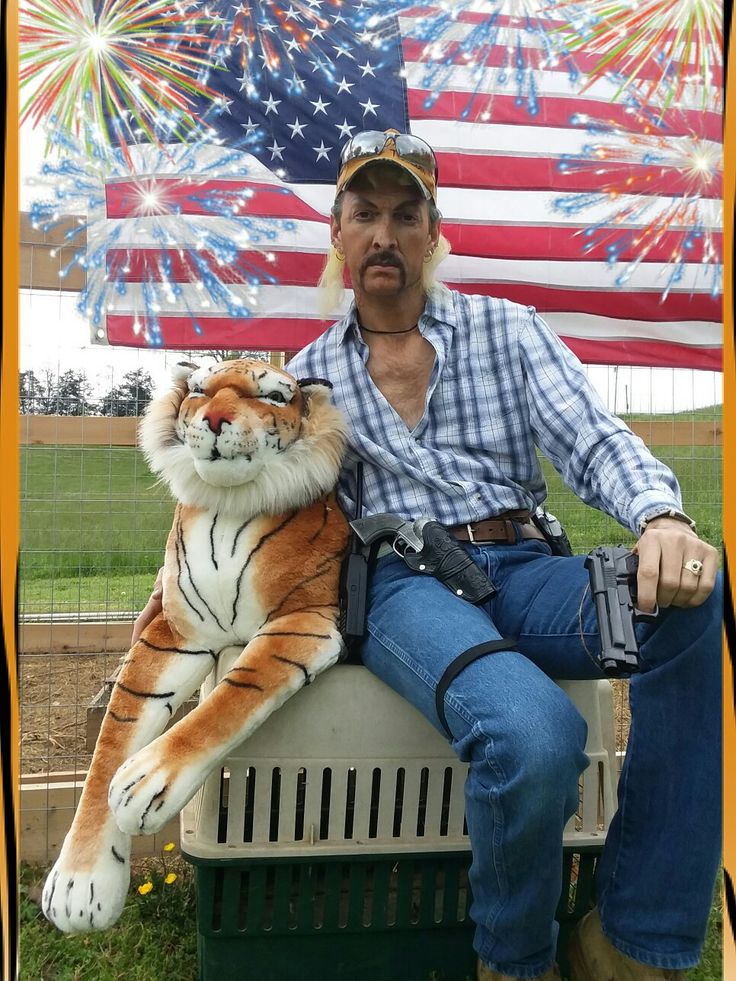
{"x":502,"y":383}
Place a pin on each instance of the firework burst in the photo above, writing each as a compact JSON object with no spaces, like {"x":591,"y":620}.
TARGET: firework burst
{"x":183,"y":241}
{"x":124,"y":69}
{"x":659,"y":50}
{"x":658,"y":198}
{"x":484,"y":47}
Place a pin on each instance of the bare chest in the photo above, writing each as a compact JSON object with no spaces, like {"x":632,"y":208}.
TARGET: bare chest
{"x":402,"y":375}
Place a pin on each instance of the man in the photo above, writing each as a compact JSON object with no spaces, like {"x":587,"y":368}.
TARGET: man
{"x":446,"y":397}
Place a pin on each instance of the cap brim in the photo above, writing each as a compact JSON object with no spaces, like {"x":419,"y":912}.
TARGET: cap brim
{"x":422,"y":179}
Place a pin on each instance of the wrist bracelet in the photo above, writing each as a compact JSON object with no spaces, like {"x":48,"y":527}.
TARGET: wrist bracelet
{"x":671,"y":513}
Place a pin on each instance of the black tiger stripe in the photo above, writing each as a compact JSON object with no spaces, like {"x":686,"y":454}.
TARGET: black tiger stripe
{"x":144,"y":694}
{"x":50,"y":895}
{"x":194,"y":585}
{"x":259,"y":545}
{"x":212,"y":540}
{"x":241,"y":684}
{"x":322,"y":616}
{"x":292,"y":633}
{"x":242,"y":669}
{"x":173,"y":650}
{"x":319,"y":531}
{"x":237,"y":535}
{"x":122,"y":718}
{"x":294,"y":664}
{"x":179,"y":573}
{"x":322,"y":568}
{"x":155,"y":797}
{"x":117,"y":856}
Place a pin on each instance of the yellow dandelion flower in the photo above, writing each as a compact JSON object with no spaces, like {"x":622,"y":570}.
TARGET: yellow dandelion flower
{"x":171,"y":877}
{"x":170,"y":847}
{"x":145,"y":888}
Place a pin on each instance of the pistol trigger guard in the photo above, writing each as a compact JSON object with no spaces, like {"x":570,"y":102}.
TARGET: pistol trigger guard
{"x":395,"y":546}
{"x":643,"y":617}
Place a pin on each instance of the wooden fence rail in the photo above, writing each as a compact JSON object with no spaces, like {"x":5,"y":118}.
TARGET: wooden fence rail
{"x":38,"y":430}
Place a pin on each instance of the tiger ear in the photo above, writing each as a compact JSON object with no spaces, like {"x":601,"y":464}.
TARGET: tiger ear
{"x":311,"y":386}
{"x":182,"y":370}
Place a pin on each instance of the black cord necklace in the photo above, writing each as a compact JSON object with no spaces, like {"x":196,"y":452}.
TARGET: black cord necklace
{"x":408,"y":330}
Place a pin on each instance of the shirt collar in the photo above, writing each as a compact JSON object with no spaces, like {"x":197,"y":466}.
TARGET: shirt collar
{"x":439,"y":308}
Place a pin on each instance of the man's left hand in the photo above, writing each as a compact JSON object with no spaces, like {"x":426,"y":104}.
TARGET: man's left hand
{"x":665,"y":549}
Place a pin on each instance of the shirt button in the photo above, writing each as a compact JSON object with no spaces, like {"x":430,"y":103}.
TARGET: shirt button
{"x":479,"y":497}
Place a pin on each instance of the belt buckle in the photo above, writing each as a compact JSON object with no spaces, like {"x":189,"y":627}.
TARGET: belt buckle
{"x":471,"y":536}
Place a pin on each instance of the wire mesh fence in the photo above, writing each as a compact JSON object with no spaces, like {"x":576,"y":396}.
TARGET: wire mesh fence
{"x":94,"y":522}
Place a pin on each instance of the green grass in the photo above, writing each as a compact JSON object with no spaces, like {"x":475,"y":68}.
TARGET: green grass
{"x":94,"y":522}
{"x":156,"y":937}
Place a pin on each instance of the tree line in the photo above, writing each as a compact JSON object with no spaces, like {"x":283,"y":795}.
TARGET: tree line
{"x":72,"y":394}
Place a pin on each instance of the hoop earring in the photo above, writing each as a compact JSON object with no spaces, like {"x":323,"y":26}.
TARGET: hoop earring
{"x":428,"y":256}
{"x":339,"y":255}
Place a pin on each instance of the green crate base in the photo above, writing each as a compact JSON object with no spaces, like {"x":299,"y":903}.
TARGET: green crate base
{"x":371,"y":918}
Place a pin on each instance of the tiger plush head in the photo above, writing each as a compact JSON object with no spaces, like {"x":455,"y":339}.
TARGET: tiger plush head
{"x":243,"y":437}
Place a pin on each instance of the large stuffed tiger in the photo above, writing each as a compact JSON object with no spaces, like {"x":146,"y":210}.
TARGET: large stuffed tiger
{"x":253,"y":560}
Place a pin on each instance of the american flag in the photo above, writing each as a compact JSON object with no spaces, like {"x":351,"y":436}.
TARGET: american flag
{"x":512,"y":134}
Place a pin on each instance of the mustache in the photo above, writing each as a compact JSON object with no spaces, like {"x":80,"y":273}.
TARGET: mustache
{"x":385,"y":258}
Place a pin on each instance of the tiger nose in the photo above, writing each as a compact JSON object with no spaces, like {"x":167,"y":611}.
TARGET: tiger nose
{"x":215,"y":417}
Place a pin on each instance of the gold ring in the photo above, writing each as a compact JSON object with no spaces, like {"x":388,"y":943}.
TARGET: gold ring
{"x":694,"y":565}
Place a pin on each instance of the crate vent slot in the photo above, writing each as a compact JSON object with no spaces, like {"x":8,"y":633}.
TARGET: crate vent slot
{"x":439,"y":895}
{"x":250,"y":798}
{"x":243,"y":900}
{"x":295,"y":888}
{"x":399,"y":801}
{"x":416,"y":896}
{"x":324,"y":809}
{"x":422,"y":808}
{"x":273,"y":829}
{"x":222,"y":808}
{"x":299,"y":804}
{"x":392,"y":897}
{"x":268,"y":899}
{"x":446,"y":797}
{"x":319,"y":897}
{"x":350,"y":803}
{"x":217,"y":891}
{"x":375,"y":802}
{"x":369,"y":895}
{"x":343,"y":904}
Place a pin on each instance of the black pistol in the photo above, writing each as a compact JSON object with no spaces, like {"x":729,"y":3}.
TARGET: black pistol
{"x":426,"y":546}
{"x":354,"y":579}
{"x":612,"y":572}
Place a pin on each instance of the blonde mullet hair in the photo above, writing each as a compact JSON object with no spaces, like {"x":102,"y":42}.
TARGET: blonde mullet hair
{"x":332,"y":284}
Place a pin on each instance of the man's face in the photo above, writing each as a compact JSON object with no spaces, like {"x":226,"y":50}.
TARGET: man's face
{"x":385,"y":236}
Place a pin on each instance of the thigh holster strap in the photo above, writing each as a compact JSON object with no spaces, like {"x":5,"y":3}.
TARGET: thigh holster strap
{"x":461,"y":662}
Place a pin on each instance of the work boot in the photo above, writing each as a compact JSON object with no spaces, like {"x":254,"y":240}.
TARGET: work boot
{"x":486,"y":974}
{"x":594,"y":958}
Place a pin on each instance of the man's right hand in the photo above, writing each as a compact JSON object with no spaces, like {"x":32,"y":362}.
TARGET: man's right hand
{"x":152,"y":608}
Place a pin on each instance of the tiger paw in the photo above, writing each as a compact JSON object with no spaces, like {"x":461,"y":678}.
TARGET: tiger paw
{"x":83,"y":895}
{"x":145,"y":793}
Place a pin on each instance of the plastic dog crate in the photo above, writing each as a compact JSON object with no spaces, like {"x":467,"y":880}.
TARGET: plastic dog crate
{"x":332,"y":843}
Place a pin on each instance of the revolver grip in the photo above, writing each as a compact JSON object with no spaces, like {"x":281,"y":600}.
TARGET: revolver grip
{"x":442,"y":557}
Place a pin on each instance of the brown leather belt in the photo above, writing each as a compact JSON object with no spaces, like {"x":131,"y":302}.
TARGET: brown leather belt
{"x":500,"y":529}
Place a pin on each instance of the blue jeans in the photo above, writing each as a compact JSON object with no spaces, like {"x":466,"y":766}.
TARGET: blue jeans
{"x":524,"y":741}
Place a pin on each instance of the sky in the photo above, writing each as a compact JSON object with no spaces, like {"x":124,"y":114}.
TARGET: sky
{"x":54,"y":335}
